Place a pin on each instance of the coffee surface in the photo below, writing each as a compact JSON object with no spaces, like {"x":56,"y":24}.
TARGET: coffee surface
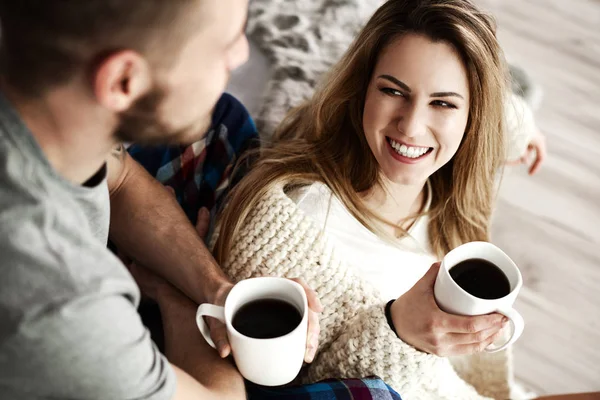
{"x":481,"y":278}
{"x":266,"y":319}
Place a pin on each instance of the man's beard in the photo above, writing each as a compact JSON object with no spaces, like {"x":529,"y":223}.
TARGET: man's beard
{"x":141,"y":124}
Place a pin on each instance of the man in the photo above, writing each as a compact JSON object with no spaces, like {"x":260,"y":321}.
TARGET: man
{"x":77,"y":79}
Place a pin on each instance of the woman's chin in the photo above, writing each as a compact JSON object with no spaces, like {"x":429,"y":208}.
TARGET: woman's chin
{"x":405,"y":179}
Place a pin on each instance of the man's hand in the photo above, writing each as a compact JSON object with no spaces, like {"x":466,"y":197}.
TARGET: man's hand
{"x":314,"y":308}
{"x":159,"y":290}
{"x":420,"y":322}
{"x":218,"y":331}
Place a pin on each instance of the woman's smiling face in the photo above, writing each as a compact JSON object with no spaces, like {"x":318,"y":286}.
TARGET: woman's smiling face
{"x":416,"y":108}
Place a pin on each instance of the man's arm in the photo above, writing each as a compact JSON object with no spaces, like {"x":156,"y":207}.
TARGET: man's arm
{"x":148,"y":225}
{"x":92,"y":345}
{"x":190,"y":389}
{"x":201,"y":373}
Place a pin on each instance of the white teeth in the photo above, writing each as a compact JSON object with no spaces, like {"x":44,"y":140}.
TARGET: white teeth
{"x":406,"y":151}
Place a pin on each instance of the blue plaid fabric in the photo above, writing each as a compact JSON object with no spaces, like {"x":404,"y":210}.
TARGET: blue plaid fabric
{"x":348,"y":389}
{"x":200,"y":173}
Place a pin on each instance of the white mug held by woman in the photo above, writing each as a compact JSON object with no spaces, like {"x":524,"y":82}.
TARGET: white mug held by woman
{"x":453,"y":299}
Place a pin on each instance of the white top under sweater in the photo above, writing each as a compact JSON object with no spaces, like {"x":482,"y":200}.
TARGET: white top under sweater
{"x":391,"y":269}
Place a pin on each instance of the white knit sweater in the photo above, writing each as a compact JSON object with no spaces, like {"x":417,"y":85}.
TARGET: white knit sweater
{"x":277,"y":239}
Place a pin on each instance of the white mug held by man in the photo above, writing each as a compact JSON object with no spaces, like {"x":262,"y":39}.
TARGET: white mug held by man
{"x":267,"y":321}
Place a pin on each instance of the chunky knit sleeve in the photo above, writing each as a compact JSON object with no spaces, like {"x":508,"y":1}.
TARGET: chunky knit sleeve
{"x":277,"y":239}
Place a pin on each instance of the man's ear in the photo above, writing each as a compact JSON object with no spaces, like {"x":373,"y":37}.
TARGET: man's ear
{"x":120,"y":79}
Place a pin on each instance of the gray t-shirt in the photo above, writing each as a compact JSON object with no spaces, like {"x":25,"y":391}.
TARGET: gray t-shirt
{"x":68,"y":322}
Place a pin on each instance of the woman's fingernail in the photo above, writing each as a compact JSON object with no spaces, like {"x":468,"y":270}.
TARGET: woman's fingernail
{"x":310,"y":354}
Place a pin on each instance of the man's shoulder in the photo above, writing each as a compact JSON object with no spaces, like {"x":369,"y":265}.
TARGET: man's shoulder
{"x":21,"y":185}
{"x":27,"y":222}
{"x":34,"y":272}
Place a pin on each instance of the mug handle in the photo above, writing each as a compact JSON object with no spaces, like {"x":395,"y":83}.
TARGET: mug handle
{"x":209,"y":310}
{"x":518,"y":325}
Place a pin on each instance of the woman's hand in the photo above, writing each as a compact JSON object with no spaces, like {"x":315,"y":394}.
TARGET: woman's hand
{"x":420,"y":322}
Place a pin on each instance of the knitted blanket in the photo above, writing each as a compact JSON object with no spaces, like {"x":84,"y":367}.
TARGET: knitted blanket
{"x":277,"y":239}
{"x":302,"y":40}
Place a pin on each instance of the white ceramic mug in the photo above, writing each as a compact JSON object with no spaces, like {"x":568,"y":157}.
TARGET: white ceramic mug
{"x":268,"y":362}
{"x":451,"y":298}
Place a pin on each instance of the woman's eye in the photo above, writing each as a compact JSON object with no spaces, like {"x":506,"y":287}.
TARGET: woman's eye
{"x":392,"y":92}
{"x":441,"y":103}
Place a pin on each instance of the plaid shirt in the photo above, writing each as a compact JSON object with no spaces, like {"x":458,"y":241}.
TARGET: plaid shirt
{"x":347,"y":389}
{"x":200,"y":173}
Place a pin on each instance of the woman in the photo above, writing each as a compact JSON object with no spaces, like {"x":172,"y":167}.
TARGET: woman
{"x":388,"y":167}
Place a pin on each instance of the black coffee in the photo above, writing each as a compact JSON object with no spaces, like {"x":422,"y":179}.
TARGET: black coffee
{"x":266,"y":319}
{"x":481,"y":278}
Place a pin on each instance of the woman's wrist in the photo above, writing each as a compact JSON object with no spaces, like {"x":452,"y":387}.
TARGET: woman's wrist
{"x":388,"y":316}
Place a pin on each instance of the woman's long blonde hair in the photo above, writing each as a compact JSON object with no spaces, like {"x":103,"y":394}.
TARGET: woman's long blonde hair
{"x":323,"y":139}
